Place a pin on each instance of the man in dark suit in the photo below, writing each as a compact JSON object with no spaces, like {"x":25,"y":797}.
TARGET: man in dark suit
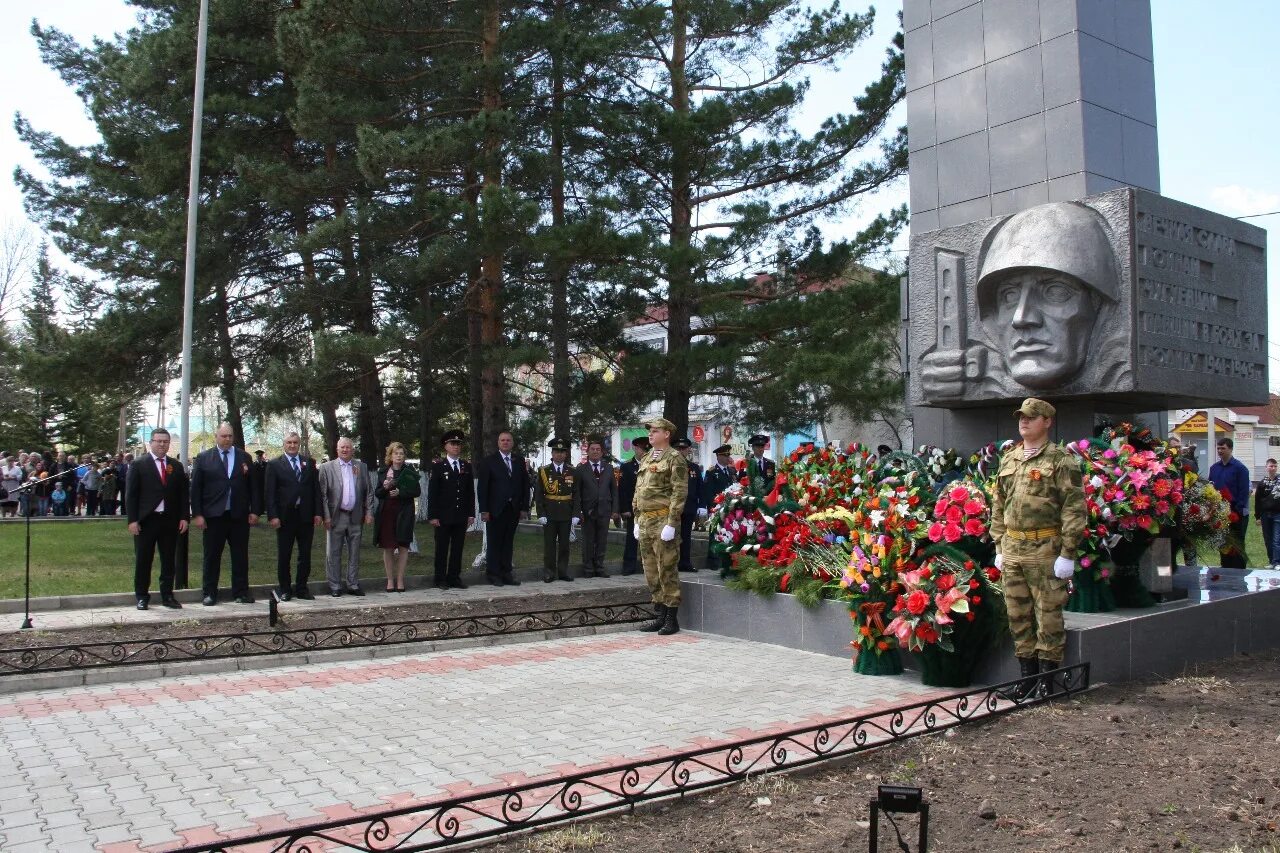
{"x":158,"y":510}
{"x":293,"y":508}
{"x":553,"y":489}
{"x":694,"y":508}
{"x":503,"y":486}
{"x":451,"y":502}
{"x":719,"y":477}
{"x":595,"y":503}
{"x":626,"y":493}
{"x":224,"y":504}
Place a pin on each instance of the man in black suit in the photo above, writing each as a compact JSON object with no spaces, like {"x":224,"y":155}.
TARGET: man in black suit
{"x":260,"y":475}
{"x":224,"y":504}
{"x":156,"y":487}
{"x":719,"y":477}
{"x":626,"y":493}
{"x":503,"y":487}
{"x":451,"y":509}
{"x":595,"y":502}
{"x":293,"y":507}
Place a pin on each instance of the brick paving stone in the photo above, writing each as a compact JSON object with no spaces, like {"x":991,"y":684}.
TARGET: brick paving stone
{"x":151,"y":763}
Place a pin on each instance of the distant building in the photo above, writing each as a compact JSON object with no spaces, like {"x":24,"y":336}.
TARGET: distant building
{"x":1255,"y":430}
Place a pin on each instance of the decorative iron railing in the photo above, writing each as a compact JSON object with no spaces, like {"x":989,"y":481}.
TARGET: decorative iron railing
{"x":489,"y":813}
{"x":59,"y":658}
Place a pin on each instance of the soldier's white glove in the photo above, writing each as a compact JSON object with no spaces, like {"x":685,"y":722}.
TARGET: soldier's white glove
{"x":1064,"y":568}
{"x":573,"y":522}
{"x":999,"y":563}
{"x":702,"y":512}
{"x":668,"y":533}
{"x":542,"y":519}
{"x":635,"y":530}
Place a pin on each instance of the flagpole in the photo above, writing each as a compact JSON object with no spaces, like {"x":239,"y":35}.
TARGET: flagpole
{"x":193,"y":204}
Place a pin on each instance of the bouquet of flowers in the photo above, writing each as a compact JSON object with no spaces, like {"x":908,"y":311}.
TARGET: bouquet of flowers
{"x":1130,"y":495}
{"x":1206,"y":515}
{"x":822,"y":478}
{"x":933,"y":597}
{"x":961,"y":513}
{"x":738,"y":522}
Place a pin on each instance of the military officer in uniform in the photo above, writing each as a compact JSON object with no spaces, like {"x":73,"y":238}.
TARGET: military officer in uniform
{"x":451,"y":509}
{"x":1037,"y":520}
{"x":626,"y":495}
{"x":553,"y":497}
{"x":662,"y":486}
{"x":760,"y":468}
{"x":694,"y":508}
{"x":719,"y":477}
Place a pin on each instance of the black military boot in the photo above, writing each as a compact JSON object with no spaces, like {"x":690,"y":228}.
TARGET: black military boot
{"x":672,"y":625}
{"x":1028,"y":669}
{"x":658,"y":620}
{"x":1047,"y":683}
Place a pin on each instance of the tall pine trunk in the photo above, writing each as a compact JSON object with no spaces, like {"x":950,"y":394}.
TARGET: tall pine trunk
{"x":489,"y":291}
{"x":560,"y":401}
{"x":227,"y":359}
{"x":680,"y":296}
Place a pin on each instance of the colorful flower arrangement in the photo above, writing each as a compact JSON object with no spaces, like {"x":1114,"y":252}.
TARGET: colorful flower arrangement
{"x":1206,"y":514}
{"x":1130,"y":494}
{"x":738,"y":523}
{"x":961,"y":511}
{"x":932,"y":599}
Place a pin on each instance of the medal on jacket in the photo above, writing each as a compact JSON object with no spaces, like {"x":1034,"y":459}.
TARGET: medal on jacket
{"x":1035,"y":474}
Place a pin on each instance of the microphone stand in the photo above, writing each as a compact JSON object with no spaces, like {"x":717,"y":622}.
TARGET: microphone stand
{"x":30,"y":487}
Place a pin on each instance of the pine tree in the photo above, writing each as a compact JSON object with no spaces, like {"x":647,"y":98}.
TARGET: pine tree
{"x":706,"y":149}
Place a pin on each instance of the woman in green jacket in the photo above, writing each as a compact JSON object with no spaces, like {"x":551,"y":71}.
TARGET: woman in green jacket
{"x":397,"y":487}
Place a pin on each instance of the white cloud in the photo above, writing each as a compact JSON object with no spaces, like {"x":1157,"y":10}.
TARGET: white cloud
{"x":1235,"y":200}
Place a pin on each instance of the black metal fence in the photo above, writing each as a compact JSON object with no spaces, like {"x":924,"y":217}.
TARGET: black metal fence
{"x":76,"y":656}
{"x":498,"y":811}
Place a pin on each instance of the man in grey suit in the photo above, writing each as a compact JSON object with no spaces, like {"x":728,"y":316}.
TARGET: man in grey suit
{"x":595,"y":502}
{"x":347,"y":503}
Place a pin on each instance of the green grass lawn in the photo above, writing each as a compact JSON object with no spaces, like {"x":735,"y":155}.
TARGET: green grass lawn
{"x":71,"y":557}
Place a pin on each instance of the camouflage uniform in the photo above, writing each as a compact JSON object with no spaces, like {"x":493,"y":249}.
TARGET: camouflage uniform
{"x":662,"y":484}
{"x":1037,"y":514}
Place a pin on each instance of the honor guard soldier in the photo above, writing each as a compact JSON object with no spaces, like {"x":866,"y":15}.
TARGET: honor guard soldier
{"x":760,"y":468}
{"x":553,"y":497}
{"x":662,"y":485}
{"x":719,"y":477}
{"x":626,"y":495}
{"x":694,"y":508}
{"x":451,"y":509}
{"x":1037,"y":520}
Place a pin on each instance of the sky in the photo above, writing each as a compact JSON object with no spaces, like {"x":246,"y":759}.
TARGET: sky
{"x":1217,"y":101}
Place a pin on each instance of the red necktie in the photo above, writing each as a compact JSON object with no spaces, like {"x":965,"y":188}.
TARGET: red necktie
{"x":164,"y":478}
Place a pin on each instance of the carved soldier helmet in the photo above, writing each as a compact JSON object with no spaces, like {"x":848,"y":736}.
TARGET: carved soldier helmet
{"x":1065,"y":236}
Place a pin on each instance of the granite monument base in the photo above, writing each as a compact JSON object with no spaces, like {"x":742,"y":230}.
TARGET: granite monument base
{"x":1227,"y":612}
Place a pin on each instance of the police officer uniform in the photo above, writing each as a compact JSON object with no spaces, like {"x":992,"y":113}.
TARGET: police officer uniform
{"x":761,"y":469}
{"x":693,"y":508}
{"x":1037,"y":521}
{"x":451,"y":501}
{"x":553,"y":497}
{"x":662,"y":485}
{"x":626,"y":495}
{"x":716,"y":479}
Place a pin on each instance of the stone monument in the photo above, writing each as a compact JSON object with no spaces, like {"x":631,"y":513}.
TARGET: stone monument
{"x":1043,"y":261}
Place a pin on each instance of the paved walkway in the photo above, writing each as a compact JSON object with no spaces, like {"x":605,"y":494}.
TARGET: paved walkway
{"x":185,"y":760}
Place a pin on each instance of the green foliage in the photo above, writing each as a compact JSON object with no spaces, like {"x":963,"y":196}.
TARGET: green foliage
{"x":762,"y":580}
{"x":809,"y":592}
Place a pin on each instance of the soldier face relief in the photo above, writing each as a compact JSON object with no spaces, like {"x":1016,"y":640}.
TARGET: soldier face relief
{"x":1042,"y":324}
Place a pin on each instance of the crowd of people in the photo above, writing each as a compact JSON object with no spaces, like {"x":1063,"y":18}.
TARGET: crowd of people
{"x":225,"y":492}
{"x":55,"y":483}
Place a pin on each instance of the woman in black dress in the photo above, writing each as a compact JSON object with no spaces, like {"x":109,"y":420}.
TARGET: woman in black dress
{"x":397,"y":487}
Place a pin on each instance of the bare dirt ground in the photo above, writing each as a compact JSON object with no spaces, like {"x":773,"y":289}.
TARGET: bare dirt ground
{"x":1191,"y":763}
